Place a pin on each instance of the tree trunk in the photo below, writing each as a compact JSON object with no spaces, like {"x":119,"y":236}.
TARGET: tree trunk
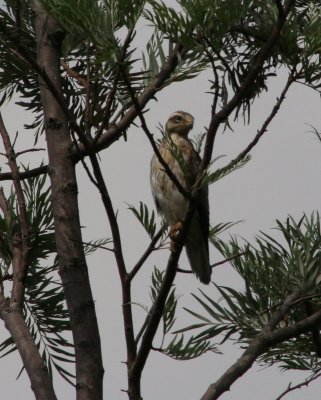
{"x":72,"y":263}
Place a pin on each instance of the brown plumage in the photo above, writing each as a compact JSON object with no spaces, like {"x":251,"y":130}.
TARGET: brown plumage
{"x":181,"y":157}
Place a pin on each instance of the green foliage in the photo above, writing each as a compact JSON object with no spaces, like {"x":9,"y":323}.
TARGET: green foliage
{"x":270,"y":270}
{"x":168,"y":316}
{"x":177,"y":348}
{"x":229,"y":34}
{"x":220,"y":228}
{"x":211,"y":177}
{"x":96,"y":51}
{"x":98,"y":59}
{"x":40,"y":219}
{"x":189,"y":64}
{"x":93,"y":245}
{"x":201,"y":17}
{"x":315,"y":132}
{"x":48,"y":320}
{"x":145,"y":217}
{"x":44,"y":310}
{"x":16,"y":76}
{"x":97,"y":21}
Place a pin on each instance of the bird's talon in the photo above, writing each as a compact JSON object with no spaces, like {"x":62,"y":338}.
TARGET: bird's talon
{"x":174,"y":235}
{"x":175,"y":230}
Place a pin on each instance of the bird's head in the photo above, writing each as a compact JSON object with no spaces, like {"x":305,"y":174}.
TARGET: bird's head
{"x":179,"y":122}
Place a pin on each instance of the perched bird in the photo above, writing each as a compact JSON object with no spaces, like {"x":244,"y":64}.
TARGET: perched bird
{"x":179,"y":154}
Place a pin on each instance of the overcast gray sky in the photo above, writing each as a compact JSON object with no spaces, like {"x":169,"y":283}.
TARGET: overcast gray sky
{"x":282,"y":178}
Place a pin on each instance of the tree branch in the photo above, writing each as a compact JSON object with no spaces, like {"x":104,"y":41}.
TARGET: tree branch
{"x":7,"y":176}
{"x":151,"y":324}
{"x":21,"y":240}
{"x":41,"y":383}
{"x":116,"y":131}
{"x":146,"y":254}
{"x":112,"y":93}
{"x":11,"y":313}
{"x":185,"y":271}
{"x":258,"y":62}
{"x":125,"y":282}
{"x":266,"y":339}
{"x":306,"y":382}
{"x":150,"y":137}
{"x":265,"y":125}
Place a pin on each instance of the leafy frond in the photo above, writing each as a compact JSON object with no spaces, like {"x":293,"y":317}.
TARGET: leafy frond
{"x":169,"y":313}
{"x":178,"y":349}
{"x":271,"y":269}
{"x":145,"y":217}
{"x":219,"y":228}
{"x":44,"y":310}
{"x":48,"y":320}
{"x":315,"y":132}
{"x":211,"y":177}
{"x":91,"y":246}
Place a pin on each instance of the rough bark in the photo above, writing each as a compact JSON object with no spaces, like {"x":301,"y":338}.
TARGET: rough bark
{"x":72,"y":263}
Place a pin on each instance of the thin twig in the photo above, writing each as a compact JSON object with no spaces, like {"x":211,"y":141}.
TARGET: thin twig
{"x":150,"y":137}
{"x":146,"y":254}
{"x":21,"y":240}
{"x":266,"y":123}
{"x":306,"y":382}
{"x":216,"y":85}
{"x":112,"y":93}
{"x":84,"y":164}
{"x":239,"y":95}
{"x":151,"y":323}
{"x":43,"y":169}
{"x":19,"y":153}
{"x":185,"y":271}
{"x":223,"y":61}
{"x":96,"y":246}
{"x":81,"y":79}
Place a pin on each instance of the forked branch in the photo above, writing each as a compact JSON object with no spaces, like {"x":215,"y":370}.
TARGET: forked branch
{"x":269,"y":337}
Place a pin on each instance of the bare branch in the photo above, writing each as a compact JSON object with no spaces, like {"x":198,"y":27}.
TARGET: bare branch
{"x":7,"y":176}
{"x":151,"y":324}
{"x":185,"y":271}
{"x":19,"y":153}
{"x":306,"y":382}
{"x":146,"y":254}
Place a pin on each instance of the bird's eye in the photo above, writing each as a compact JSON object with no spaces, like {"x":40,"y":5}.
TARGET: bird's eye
{"x":178,"y":119}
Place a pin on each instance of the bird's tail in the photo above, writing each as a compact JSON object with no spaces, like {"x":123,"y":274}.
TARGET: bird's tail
{"x":198,"y":254}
